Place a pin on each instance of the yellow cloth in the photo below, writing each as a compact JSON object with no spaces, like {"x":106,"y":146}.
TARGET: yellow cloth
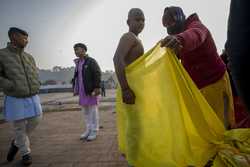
{"x":171,"y":124}
{"x":215,"y":95}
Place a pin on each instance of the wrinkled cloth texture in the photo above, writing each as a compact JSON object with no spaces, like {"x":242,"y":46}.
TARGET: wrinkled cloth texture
{"x":237,"y":46}
{"x":171,"y":123}
{"x":84,"y":99}
{"x":199,"y":54}
{"x":219,"y":97}
{"x":91,"y":75}
{"x":242,"y":117}
{"x":18,"y":73}
{"x":21,"y":108}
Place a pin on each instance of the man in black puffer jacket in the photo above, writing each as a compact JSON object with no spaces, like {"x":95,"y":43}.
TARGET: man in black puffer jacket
{"x":86,"y":84}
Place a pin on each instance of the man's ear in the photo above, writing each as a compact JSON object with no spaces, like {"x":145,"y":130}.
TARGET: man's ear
{"x":12,"y":37}
{"x":128,"y":22}
{"x":163,"y":21}
{"x":16,"y":36}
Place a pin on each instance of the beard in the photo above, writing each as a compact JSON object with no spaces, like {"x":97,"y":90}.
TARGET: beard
{"x":176,"y":29}
{"x":21,"y":45}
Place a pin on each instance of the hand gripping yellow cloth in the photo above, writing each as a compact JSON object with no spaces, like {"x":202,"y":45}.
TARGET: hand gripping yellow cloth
{"x":171,"y":124}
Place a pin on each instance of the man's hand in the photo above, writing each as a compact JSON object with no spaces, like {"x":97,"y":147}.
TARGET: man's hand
{"x":173,"y":43}
{"x":96,"y":92}
{"x":128,"y":96}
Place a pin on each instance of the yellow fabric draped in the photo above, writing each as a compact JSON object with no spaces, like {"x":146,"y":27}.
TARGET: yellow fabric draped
{"x":171,"y":124}
{"x":219,"y":97}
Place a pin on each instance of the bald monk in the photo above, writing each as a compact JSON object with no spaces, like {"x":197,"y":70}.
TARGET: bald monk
{"x":129,"y":49}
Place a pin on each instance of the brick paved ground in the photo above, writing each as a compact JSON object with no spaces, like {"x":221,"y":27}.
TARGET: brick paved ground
{"x":55,"y":143}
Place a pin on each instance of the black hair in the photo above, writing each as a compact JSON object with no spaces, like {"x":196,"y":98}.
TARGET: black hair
{"x":175,"y":12}
{"x":81,"y":45}
{"x":14,"y":30}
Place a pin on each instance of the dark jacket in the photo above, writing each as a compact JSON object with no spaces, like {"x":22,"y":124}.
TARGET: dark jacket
{"x":199,"y":54}
{"x":238,"y":38}
{"x":237,"y":46}
{"x":91,"y":75}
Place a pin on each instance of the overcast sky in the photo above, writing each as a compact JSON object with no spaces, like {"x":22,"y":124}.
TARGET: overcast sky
{"x":54,"y":26}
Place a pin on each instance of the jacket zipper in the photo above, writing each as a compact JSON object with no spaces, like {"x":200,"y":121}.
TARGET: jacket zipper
{"x":25,"y":74}
{"x":83,"y":74}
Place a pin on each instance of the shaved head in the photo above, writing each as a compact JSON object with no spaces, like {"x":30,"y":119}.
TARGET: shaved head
{"x":135,"y":12}
{"x":135,"y":20}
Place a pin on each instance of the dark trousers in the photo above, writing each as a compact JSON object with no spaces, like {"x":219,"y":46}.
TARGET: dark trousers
{"x":103,"y":92}
{"x":238,"y":47}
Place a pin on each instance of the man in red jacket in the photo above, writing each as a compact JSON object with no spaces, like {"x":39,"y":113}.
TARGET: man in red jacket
{"x":195,"y":47}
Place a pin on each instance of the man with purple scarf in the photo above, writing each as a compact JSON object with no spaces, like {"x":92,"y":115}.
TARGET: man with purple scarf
{"x":86,"y":84}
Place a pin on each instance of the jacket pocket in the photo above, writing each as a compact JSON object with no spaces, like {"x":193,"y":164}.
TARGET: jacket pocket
{"x":9,"y":85}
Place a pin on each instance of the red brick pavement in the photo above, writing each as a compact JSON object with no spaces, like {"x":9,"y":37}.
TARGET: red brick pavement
{"x":55,"y":143}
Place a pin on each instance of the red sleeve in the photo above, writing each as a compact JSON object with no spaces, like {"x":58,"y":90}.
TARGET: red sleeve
{"x":193,"y":37}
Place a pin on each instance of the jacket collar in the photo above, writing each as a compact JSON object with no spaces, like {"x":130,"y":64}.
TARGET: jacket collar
{"x":78,"y":59}
{"x":14,"y":48}
{"x":192,"y":18}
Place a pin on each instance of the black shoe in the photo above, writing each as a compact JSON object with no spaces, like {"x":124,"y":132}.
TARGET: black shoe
{"x":12,"y":151}
{"x":27,"y":160}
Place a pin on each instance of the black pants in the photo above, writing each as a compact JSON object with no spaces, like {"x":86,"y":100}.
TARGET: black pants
{"x":103,"y":92}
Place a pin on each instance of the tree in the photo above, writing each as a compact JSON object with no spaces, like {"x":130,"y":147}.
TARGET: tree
{"x":57,"y":69}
